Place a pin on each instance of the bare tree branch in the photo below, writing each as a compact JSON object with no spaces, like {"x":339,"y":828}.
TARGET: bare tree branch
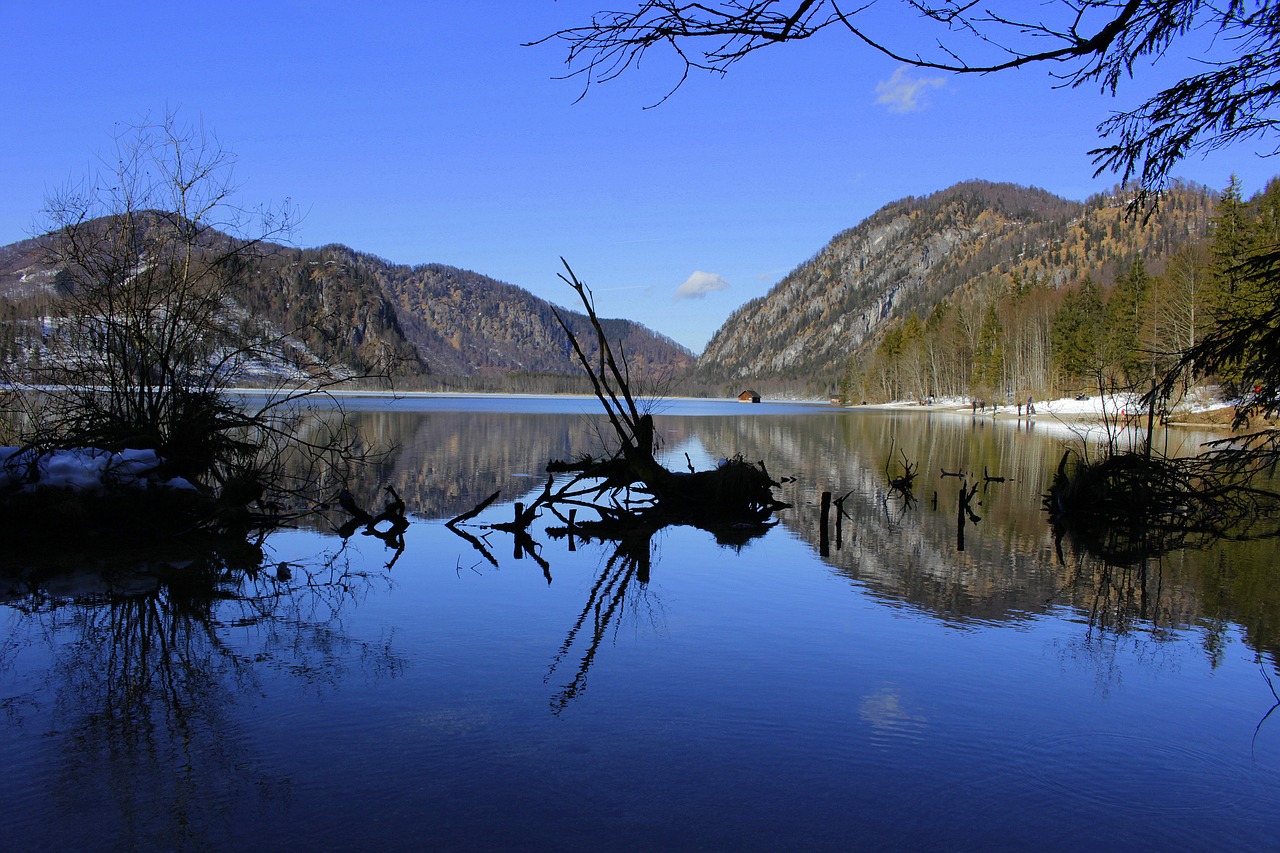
{"x":1085,"y":42}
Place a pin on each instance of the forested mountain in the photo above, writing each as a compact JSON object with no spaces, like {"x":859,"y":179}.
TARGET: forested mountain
{"x":983,"y":289}
{"x":470,"y":324}
{"x":433,"y":325}
{"x":950,"y":255}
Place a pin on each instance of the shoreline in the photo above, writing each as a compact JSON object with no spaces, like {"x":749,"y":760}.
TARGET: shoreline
{"x":1065,"y":410}
{"x":1089,"y":411}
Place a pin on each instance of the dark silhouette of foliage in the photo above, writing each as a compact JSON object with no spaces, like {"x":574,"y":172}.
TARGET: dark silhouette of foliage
{"x":1128,"y":506}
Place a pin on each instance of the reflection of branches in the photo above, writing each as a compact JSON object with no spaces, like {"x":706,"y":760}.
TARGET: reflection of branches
{"x":1262,"y":667}
{"x":628,"y":568}
{"x":145,"y":669}
{"x":475,"y":542}
{"x":906,"y":502}
{"x":626,"y":522}
{"x":964,"y":511}
{"x":904,"y":482}
{"x":1124,"y":605}
{"x":1132,"y":505}
{"x":388,"y":526}
{"x":604,"y":603}
{"x":900,"y":486}
{"x":1118,"y":597}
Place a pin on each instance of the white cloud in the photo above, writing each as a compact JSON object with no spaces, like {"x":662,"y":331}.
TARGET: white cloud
{"x":700,"y":284}
{"x":905,"y":92}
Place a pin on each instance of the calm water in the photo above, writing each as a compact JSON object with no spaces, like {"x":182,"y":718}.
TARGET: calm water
{"x":895,"y":694}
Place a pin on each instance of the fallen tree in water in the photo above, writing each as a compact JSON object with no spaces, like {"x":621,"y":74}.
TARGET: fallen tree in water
{"x":1128,"y":505}
{"x":628,"y":488}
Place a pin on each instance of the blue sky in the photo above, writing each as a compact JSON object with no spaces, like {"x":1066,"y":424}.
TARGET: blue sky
{"x":424,"y":132}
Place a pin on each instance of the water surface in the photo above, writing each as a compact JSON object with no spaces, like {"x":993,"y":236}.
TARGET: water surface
{"x":895,"y":693}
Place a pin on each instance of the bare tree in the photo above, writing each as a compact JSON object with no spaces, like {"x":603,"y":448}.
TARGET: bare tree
{"x":1085,"y":42}
{"x":147,"y":336}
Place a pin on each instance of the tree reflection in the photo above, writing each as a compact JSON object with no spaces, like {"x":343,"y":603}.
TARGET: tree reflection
{"x":604,"y":607}
{"x":146,"y":662}
{"x":623,"y":583}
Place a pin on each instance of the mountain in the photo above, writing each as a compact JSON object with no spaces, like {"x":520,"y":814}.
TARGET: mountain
{"x":470,"y":324}
{"x":440,"y":326}
{"x":451,"y":328}
{"x":917,"y":253}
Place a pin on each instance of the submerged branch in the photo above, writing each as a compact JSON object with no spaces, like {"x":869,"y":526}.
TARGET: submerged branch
{"x":1126,"y":506}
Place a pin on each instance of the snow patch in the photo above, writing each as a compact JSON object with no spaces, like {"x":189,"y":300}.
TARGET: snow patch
{"x":84,"y":470}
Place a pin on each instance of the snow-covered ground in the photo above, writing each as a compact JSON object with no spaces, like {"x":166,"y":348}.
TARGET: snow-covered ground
{"x":1083,"y":420}
{"x":1114,"y":406}
{"x":83,"y":470}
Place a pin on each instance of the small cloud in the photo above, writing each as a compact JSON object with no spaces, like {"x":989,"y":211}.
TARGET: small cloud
{"x":699,"y":285}
{"x":905,"y":92}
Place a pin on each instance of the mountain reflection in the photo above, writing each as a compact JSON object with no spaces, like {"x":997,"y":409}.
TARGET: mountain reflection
{"x":903,"y":552}
{"x":1011,"y":565}
{"x":444,"y":463}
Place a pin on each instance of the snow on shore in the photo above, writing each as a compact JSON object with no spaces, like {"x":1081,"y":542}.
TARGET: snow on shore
{"x":83,"y":470}
{"x":1114,"y":406}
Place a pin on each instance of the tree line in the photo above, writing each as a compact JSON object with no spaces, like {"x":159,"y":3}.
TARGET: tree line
{"x":1015,"y":334}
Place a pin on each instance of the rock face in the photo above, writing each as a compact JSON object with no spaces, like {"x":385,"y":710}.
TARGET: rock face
{"x":913,"y":254}
{"x":355,"y":312}
{"x":465,"y":323}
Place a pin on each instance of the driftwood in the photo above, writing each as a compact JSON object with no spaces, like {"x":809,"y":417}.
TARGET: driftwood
{"x":474,"y":511}
{"x":902,"y":485}
{"x":964,"y":511}
{"x":388,"y":525}
{"x":631,"y":492}
{"x":838,"y":503}
{"x":1128,"y":506}
{"x":824,"y":537}
{"x":904,"y":482}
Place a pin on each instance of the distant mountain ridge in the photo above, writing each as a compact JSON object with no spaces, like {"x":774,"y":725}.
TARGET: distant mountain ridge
{"x":438,"y":324}
{"x":448,"y":327}
{"x":481,"y":325}
{"x":914,"y":253}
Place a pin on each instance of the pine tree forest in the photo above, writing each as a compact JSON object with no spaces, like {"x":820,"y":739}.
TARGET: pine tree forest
{"x":1019,"y":333}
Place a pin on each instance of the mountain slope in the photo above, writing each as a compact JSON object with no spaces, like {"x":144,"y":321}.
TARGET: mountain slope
{"x":914,"y":253}
{"x":472,"y":324}
{"x":356,"y":312}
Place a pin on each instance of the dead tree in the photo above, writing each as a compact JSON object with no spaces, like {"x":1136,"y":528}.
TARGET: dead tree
{"x":904,"y":484}
{"x":737,"y":491}
{"x":632,"y":493}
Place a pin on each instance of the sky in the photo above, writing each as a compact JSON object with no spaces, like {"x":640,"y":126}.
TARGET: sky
{"x":426,"y":132}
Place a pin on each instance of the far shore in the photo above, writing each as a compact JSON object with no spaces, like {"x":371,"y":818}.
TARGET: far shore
{"x":1127,"y":411}
{"x":1204,"y":412}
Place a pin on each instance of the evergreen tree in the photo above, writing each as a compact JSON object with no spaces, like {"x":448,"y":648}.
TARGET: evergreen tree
{"x":1231,"y":240}
{"x":1124,"y":322}
{"x":1075,"y":334}
{"x":988,"y":359}
{"x":1234,"y":300}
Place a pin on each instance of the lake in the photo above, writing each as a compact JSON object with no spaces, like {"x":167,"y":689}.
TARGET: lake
{"x":674,"y":693}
